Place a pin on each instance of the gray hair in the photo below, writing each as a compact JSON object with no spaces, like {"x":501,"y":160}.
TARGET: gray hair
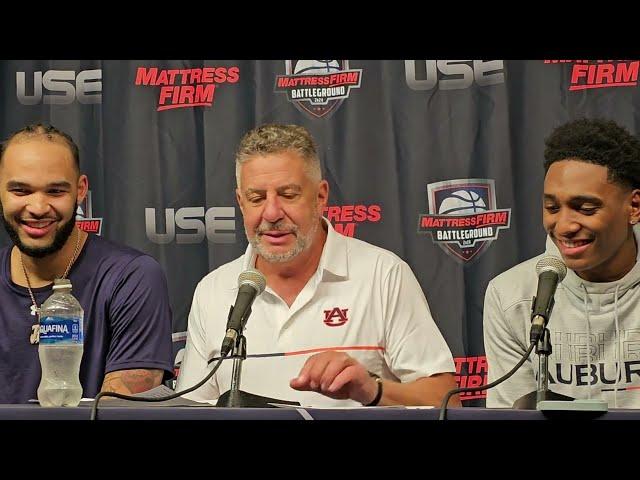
{"x":274,"y":138}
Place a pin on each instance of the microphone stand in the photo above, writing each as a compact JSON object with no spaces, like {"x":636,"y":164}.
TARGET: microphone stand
{"x":543,"y":350}
{"x":234,"y":397}
{"x":545,"y":399}
{"x":239,"y":354}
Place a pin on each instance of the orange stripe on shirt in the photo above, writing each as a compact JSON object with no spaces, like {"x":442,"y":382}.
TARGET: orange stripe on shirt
{"x":329,"y":349}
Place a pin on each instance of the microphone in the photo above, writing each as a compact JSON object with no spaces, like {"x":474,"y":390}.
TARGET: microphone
{"x":551,"y":271}
{"x":251,"y":283}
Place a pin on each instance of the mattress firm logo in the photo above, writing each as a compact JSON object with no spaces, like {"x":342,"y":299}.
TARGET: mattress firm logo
{"x":463,"y":219}
{"x":345,"y":218}
{"x":192,"y":87}
{"x":59,"y":87}
{"x":318,"y":87}
{"x":191,"y":225}
{"x":590,"y":74}
{"x":471,"y":372}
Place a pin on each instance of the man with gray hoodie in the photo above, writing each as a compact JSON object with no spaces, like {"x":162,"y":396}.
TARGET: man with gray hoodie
{"x":591,"y":202}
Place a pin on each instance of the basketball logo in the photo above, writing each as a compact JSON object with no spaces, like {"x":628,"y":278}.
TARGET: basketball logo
{"x":462,"y":202}
{"x":316,"y":67}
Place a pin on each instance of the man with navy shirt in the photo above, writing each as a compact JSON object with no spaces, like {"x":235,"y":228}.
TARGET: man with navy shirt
{"x":127,"y":317}
{"x":341,"y":322}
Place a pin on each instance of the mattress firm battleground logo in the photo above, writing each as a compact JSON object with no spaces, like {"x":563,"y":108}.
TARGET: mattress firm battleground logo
{"x":318,"y":87}
{"x":463,"y":219}
{"x":191,"y":87}
{"x":84,"y":217}
{"x":587,"y":74}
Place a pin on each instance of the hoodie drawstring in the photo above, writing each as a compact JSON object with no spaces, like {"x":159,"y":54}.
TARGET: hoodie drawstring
{"x":586,"y":311}
{"x":619,"y":345}
{"x":618,"y":342}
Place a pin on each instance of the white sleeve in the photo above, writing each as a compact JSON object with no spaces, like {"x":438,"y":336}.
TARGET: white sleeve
{"x":194,"y":363}
{"x":415,"y":348}
{"x":504,"y":350}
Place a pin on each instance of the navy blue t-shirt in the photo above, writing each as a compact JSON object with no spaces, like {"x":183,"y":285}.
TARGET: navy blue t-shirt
{"x":127,"y":319}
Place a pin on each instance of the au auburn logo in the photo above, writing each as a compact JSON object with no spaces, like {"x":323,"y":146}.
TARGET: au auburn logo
{"x":335,"y":317}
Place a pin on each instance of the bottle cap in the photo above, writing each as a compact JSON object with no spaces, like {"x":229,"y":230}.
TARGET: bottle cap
{"x":62,"y":283}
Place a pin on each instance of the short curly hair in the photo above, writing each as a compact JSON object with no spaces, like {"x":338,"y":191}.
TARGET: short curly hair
{"x":274,"y":138}
{"x":45,"y":131}
{"x":598,"y":141}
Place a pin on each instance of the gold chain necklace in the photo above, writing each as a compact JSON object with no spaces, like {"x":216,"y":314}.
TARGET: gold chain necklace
{"x":34,"y":337}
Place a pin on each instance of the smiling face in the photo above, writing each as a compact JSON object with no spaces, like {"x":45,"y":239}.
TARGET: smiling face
{"x":40,"y":188}
{"x":589,"y":218}
{"x":281,"y":205}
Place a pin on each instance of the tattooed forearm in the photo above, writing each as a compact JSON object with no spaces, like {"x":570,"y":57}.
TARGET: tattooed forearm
{"x":131,"y":381}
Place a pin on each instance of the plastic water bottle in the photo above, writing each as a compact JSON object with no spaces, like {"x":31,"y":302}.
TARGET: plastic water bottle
{"x":61,"y":347}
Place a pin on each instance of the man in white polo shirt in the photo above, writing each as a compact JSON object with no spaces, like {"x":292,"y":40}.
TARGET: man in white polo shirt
{"x":341,"y":322}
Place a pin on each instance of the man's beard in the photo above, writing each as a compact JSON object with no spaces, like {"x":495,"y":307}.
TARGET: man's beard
{"x":61,"y":237}
{"x":303,"y":242}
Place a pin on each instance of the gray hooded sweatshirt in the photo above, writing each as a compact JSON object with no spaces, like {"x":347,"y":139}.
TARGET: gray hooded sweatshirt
{"x":592,"y":325}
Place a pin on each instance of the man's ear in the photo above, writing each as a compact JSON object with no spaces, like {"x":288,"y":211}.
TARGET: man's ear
{"x":83,"y":188}
{"x":323,"y":195}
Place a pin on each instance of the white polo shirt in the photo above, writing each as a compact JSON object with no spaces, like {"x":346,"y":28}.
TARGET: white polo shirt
{"x":362,"y":300}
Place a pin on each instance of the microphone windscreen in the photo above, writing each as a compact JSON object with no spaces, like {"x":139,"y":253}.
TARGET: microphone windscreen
{"x":253,"y":277}
{"x":550,"y":263}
